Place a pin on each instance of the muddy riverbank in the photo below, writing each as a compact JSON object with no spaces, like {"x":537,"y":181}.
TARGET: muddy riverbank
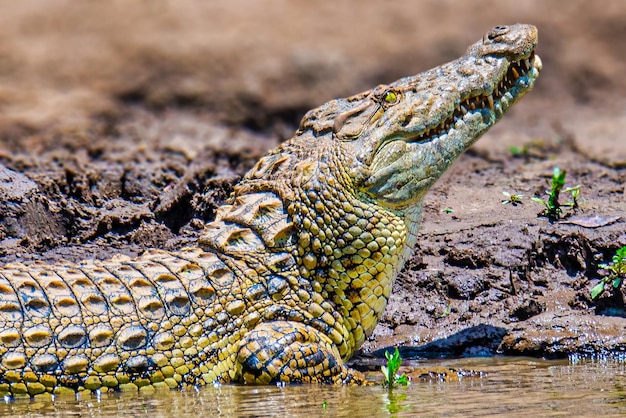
{"x":124,"y":127}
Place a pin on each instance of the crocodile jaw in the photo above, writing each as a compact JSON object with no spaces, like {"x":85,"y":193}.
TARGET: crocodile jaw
{"x":404,"y":146}
{"x":405,"y":167}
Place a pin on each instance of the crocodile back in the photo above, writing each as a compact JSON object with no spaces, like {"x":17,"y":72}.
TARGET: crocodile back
{"x":116,"y":319}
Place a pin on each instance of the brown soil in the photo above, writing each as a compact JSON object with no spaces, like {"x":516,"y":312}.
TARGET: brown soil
{"x":124,"y":125}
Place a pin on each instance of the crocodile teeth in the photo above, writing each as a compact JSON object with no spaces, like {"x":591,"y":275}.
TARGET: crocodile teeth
{"x":490,"y":101}
{"x":516,"y":70}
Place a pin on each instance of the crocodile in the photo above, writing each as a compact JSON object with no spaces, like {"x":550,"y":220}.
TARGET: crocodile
{"x":296,"y":269}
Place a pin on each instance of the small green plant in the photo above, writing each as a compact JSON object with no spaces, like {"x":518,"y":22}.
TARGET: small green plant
{"x":574,"y":193}
{"x":519,"y":151}
{"x":513,"y":199}
{"x":390,"y":371}
{"x":553,"y":207}
{"x":617,"y":273}
{"x":447,"y":210}
{"x":446,"y":311}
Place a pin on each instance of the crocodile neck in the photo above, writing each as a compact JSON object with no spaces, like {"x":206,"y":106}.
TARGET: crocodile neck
{"x":346,"y":249}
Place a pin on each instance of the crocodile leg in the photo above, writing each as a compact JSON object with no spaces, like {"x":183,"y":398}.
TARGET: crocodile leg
{"x":286,"y":351}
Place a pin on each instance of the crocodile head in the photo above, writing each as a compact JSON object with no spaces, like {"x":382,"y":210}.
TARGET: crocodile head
{"x":401,"y":137}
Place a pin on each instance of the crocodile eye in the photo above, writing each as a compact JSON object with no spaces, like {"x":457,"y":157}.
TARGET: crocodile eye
{"x":390,"y":97}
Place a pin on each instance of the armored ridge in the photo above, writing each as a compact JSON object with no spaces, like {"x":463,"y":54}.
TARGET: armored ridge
{"x":295,"y":271}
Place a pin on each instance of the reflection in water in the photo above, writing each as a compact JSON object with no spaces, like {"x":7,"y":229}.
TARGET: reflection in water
{"x":511,"y":387}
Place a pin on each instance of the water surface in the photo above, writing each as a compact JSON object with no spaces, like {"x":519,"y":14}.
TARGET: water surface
{"x":508,"y":387}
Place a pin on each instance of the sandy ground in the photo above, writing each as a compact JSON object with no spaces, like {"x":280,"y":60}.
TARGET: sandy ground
{"x":124,"y":125}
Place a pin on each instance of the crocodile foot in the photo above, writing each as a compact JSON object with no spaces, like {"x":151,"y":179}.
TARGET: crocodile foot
{"x":291,"y":352}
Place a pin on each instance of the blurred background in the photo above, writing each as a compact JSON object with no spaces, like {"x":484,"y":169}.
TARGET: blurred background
{"x":260,"y":64}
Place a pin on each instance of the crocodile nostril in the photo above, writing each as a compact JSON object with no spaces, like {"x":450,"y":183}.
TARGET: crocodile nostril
{"x":497,"y":31}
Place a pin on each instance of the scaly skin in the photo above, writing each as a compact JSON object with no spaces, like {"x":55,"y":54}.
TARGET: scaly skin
{"x":295,"y":271}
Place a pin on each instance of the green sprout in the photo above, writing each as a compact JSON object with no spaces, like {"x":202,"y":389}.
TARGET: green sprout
{"x":447,"y":210}
{"x":519,"y":151}
{"x":617,"y":273}
{"x":574,"y":192}
{"x":513,"y":199}
{"x":553,"y":207}
{"x":390,"y":371}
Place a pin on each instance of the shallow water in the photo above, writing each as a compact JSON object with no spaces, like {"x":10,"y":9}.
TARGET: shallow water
{"x":508,"y":387}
